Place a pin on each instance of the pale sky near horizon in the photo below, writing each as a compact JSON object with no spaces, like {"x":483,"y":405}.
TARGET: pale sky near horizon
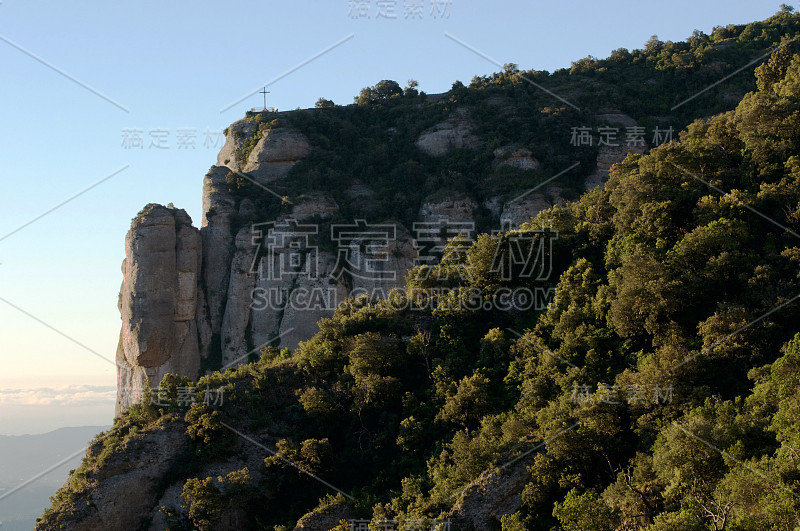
{"x":78,"y":74}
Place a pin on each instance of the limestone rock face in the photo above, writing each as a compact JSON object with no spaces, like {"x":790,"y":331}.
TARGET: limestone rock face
{"x":454,"y":133}
{"x":616,"y":117}
{"x":497,"y":492}
{"x":295,"y":287}
{"x":453,"y":206}
{"x":237,"y":308}
{"x":275,"y":154}
{"x":314,"y":206}
{"x":610,"y":154}
{"x":158,"y":301}
{"x":268,"y":308}
{"x":386,"y":268}
{"x":235,"y":137}
{"x":325,"y":519}
{"x":362,"y":198}
{"x":518,"y":211}
{"x":309,"y":300}
{"x":521,"y":159}
{"x":606,"y":157}
{"x":218,"y":243}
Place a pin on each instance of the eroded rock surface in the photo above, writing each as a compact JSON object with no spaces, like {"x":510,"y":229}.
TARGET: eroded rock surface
{"x":521,"y":158}
{"x":314,"y":206}
{"x":496,"y":492}
{"x":158,"y":301}
{"x":521,"y":210}
{"x":325,"y":519}
{"x":235,"y":137}
{"x":453,"y":206}
{"x":218,"y":242}
{"x":454,"y":133}
{"x":609,"y":155}
{"x":239,"y":299}
{"x":275,"y":154}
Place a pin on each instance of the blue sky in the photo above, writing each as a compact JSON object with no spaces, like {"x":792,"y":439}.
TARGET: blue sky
{"x":175,"y":65}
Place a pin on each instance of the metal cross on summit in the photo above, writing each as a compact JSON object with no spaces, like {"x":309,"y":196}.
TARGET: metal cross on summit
{"x":264,"y":92}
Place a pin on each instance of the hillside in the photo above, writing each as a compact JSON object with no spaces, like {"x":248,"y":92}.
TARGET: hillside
{"x":657,"y":391}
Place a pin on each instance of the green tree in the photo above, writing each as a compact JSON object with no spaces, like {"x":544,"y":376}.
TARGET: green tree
{"x":380,"y":92}
{"x":579,"y":512}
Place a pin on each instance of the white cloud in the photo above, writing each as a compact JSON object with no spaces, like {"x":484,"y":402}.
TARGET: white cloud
{"x":68,"y":395}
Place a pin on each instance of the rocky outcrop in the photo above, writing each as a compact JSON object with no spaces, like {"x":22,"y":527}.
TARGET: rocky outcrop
{"x":314,"y":206}
{"x":497,"y":492}
{"x":521,"y":159}
{"x":129,"y":482}
{"x":615,"y":117}
{"x":296,"y":286}
{"x":453,"y":206}
{"x":135,"y":486}
{"x":272,"y":157}
{"x":522,"y":209}
{"x":220,"y":305}
{"x":218,"y":243}
{"x":362,"y":198}
{"x":613,"y":152}
{"x":607,"y":157}
{"x":275,"y":154}
{"x":454,"y":133}
{"x":239,"y":299}
{"x":308,"y":299}
{"x":325,"y":519}
{"x":382,"y":265}
{"x":235,"y":137}
{"x":158,"y":301}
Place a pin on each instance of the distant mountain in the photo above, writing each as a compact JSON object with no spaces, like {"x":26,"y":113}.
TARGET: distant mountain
{"x":22,"y":457}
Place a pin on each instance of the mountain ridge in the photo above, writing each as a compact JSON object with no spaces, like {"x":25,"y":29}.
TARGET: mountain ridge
{"x":601,"y":405}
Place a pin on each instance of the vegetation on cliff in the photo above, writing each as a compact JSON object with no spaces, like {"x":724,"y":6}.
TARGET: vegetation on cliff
{"x":659,"y":391}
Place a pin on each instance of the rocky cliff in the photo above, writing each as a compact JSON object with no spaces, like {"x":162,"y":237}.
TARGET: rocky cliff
{"x":194,"y":300}
{"x":443,"y":413}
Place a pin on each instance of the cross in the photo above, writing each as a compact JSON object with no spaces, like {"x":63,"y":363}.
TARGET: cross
{"x":264,"y":92}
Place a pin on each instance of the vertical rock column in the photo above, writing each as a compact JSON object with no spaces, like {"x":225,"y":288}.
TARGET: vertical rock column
{"x":158,"y":302}
{"x":218,"y":245}
{"x":237,"y":310}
